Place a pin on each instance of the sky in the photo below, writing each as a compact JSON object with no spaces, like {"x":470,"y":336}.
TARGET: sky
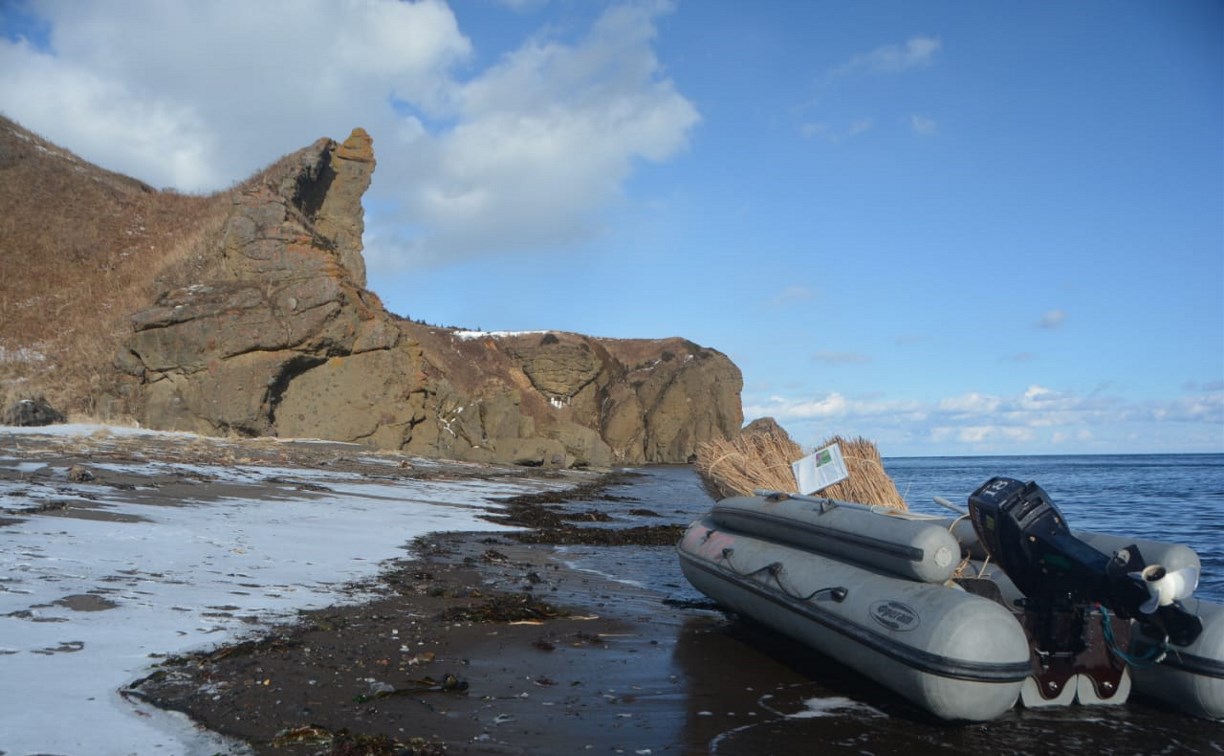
{"x":953,"y":228}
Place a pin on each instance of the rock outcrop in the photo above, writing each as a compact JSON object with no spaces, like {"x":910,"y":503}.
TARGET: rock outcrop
{"x":31,"y":412}
{"x":563,"y":398}
{"x":279,"y":336}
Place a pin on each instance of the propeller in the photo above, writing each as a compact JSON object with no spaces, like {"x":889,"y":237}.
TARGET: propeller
{"x":1165,"y":587}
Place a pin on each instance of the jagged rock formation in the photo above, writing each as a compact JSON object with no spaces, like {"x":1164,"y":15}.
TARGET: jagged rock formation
{"x":278,"y":336}
{"x":281,"y":336}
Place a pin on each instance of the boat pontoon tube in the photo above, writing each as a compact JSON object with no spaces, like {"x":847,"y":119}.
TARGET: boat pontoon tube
{"x":958,"y":655}
{"x":1191,"y":677}
{"x":918,"y":548}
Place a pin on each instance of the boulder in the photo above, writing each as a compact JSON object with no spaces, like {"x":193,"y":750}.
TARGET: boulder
{"x":31,"y":412}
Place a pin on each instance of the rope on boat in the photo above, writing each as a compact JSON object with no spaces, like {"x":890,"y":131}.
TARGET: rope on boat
{"x":775,"y":570}
{"x":967,"y":558}
{"x":1153,"y":655}
{"x":985,"y":563}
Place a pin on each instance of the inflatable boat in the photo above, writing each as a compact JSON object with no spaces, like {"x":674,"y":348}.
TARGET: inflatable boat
{"x":967,"y":616}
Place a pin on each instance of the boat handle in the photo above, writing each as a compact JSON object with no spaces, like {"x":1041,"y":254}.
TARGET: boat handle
{"x":836,"y":592}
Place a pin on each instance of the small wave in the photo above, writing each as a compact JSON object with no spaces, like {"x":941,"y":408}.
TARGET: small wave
{"x":827,"y":707}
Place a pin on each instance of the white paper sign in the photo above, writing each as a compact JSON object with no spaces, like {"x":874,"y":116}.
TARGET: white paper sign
{"x":819,"y":470}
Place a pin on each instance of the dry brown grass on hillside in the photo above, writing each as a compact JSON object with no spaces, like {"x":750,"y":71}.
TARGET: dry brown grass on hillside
{"x":79,"y":250}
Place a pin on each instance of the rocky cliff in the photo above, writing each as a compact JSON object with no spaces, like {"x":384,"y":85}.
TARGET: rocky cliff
{"x":277,"y":335}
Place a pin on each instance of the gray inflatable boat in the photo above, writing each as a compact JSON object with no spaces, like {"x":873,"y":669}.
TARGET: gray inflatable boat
{"x":966,"y":620}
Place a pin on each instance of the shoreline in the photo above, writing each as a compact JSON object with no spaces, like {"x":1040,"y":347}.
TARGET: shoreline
{"x":479,"y":643}
{"x":480,"y":646}
{"x":122,"y":546}
{"x":564,"y":635}
{"x":501,"y":644}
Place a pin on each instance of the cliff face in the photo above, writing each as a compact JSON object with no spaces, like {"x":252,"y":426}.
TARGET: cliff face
{"x":562,"y":398}
{"x":280,"y":314}
{"x":279,"y":336}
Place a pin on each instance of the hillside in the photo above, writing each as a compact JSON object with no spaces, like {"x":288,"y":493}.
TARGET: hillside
{"x":247,"y":313}
{"x":80,"y":248}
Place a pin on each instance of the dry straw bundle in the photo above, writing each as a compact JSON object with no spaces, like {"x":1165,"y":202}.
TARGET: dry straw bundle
{"x":761,"y":457}
{"x":868,"y":482}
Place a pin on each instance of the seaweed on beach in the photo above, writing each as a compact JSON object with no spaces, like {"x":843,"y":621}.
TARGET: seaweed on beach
{"x":511,"y":607}
{"x":569,"y":535}
{"x":593,"y":490}
{"x":345,"y":743}
{"x":548,"y":522}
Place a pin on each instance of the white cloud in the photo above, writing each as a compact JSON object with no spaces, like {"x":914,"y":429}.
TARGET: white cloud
{"x":547,"y":137}
{"x":1207,"y":408}
{"x":105,"y":119}
{"x":1039,"y":394}
{"x":1052,"y":319}
{"x":917,"y":52}
{"x":978,"y":435}
{"x":832,"y":406}
{"x":924,"y":125}
{"x":1082,"y":436}
{"x":972,"y":403}
{"x":792,"y":294}
{"x":836,"y":134}
{"x":841,"y":358}
{"x":780,"y":408}
{"x":196,"y":96}
{"x":1030,"y":422}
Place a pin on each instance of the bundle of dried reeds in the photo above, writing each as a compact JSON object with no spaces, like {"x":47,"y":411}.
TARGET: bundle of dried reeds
{"x":760,"y":458}
{"x":868,"y":482}
{"x":754,"y":459}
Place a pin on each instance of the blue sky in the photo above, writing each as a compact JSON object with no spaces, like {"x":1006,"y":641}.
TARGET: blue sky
{"x":950,"y":227}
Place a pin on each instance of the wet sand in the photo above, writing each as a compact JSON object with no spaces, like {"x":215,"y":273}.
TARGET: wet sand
{"x":488,"y":645}
{"x":472,"y":649}
{"x":496,"y":644}
{"x":483,"y":644}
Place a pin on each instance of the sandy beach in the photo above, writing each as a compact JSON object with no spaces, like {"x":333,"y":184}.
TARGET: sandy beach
{"x":122,"y":546}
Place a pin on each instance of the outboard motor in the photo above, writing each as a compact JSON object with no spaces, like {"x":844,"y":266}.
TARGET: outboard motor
{"x":1069,"y":590}
{"x":1023,"y":530}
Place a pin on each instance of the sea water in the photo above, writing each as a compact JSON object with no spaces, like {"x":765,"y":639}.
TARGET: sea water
{"x":1177,"y":498}
{"x":1162,"y":497}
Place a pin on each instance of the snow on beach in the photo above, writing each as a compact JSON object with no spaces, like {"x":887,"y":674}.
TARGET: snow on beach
{"x":102,"y":580}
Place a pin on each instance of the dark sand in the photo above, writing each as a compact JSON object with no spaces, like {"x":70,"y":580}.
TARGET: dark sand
{"x":483,"y":644}
{"x":423,"y":666}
